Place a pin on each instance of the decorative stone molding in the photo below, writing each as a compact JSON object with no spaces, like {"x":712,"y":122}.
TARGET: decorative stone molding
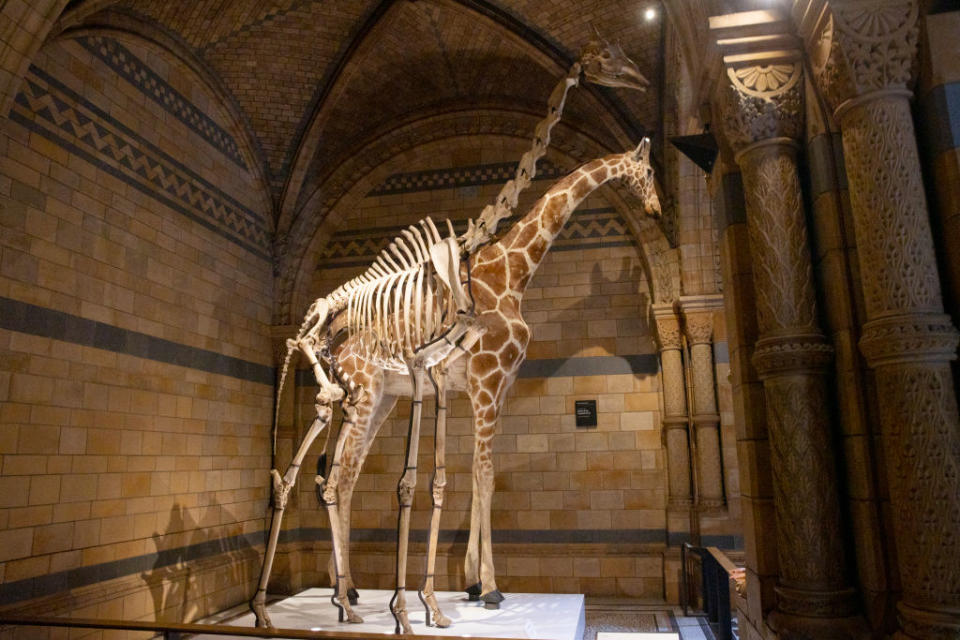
{"x":909,"y":338}
{"x":668,"y":326}
{"x":865,"y":46}
{"x":699,"y":327}
{"x":762,"y":101}
{"x":792,"y":354}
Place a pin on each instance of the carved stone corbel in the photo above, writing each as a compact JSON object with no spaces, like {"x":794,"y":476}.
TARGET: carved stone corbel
{"x":863,"y":54}
{"x":760,"y":104}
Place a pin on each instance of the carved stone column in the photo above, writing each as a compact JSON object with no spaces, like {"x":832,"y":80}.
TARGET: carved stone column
{"x":698,"y":321}
{"x":863,"y":55}
{"x":761,"y":114}
{"x":674,"y":407}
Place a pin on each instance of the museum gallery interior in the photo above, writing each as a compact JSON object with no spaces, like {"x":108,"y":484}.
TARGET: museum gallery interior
{"x":431,"y":306}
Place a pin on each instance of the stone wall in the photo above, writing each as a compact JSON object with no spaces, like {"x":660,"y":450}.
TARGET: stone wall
{"x":136,"y":377}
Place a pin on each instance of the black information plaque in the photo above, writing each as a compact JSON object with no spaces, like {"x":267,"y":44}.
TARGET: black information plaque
{"x":586,"y":412}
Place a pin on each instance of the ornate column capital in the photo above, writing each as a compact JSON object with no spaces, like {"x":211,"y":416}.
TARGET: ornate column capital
{"x":668,"y":326}
{"x":698,"y":316}
{"x":863,"y":47}
{"x":761,"y":96}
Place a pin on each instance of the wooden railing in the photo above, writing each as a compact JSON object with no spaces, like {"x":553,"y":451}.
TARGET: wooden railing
{"x":715,"y":571}
{"x":175,"y":630}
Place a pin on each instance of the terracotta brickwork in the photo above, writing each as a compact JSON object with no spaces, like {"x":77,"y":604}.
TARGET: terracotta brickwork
{"x":575,"y":510}
{"x":135,"y":293}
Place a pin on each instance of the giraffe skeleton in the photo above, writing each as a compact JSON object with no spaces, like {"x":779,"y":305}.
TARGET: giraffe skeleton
{"x":409,"y":312}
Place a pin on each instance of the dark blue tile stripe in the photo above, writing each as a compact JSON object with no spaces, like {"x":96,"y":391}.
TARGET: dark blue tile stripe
{"x":730,"y":542}
{"x":101,"y":115}
{"x":20,"y":590}
{"x":49,"y":323}
{"x":133,"y":70}
{"x":640,"y":364}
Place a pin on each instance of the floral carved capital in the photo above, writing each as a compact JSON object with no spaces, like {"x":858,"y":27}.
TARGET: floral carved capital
{"x":699,"y":327}
{"x":762,"y":101}
{"x":863,"y":46}
{"x":668,"y":331}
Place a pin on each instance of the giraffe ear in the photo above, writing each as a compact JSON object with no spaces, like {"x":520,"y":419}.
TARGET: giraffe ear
{"x":642,"y":151}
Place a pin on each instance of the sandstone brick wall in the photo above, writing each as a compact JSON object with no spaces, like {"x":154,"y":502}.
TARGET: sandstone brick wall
{"x":575,"y":510}
{"x":135,"y":364}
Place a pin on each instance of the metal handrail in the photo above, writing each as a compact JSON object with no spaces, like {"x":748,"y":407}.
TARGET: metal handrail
{"x":715,"y":568}
{"x":174,"y":630}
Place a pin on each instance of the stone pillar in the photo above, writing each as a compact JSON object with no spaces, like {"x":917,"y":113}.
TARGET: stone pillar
{"x":863,"y":56}
{"x":761,"y":114}
{"x":675,"y":416}
{"x":698,"y":314}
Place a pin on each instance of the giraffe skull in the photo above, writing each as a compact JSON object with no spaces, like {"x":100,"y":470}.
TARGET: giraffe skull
{"x":606,"y":64}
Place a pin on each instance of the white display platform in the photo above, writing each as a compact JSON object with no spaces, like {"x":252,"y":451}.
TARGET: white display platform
{"x":621,"y":635}
{"x":521,"y":615}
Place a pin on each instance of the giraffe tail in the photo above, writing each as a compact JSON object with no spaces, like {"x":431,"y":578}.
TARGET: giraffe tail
{"x":291,"y":344}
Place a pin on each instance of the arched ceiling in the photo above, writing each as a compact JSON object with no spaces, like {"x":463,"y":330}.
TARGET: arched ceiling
{"x":315,"y":79}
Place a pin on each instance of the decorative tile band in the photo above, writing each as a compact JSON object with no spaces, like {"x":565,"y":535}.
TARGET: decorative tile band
{"x":586,"y":229}
{"x":29,"y":588}
{"x":50,"y":109}
{"x":137,"y":73}
{"x":476,"y":175}
{"x":49,"y":323}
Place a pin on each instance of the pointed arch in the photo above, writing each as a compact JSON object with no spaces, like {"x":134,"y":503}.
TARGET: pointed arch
{"x":123,"y":24}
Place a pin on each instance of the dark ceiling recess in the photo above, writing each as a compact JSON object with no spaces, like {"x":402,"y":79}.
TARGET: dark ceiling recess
{"x":701,"y":148}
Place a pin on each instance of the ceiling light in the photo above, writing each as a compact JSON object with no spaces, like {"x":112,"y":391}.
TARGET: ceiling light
{"x":649,"y":14}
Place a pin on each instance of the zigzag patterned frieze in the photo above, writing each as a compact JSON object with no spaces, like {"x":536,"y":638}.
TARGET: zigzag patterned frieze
{"x":358,"y":247}
{"x":433,"y":179}
{"x":133,"y":70}
{"x":79,"y":126}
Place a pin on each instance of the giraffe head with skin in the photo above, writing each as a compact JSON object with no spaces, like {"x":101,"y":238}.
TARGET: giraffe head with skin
{"x":638,"y":177}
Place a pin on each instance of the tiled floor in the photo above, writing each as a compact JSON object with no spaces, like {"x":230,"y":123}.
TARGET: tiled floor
{"x":604,"y":614}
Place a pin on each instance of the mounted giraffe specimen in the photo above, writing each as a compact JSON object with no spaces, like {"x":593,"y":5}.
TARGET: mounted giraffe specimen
{"x":408,"y":317}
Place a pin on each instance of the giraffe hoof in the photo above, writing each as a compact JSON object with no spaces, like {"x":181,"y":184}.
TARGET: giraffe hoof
{"x":441,"y":621}
{"x":492,"y":600}
{"x":353,"y":596}
{"x":474,"y":591}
